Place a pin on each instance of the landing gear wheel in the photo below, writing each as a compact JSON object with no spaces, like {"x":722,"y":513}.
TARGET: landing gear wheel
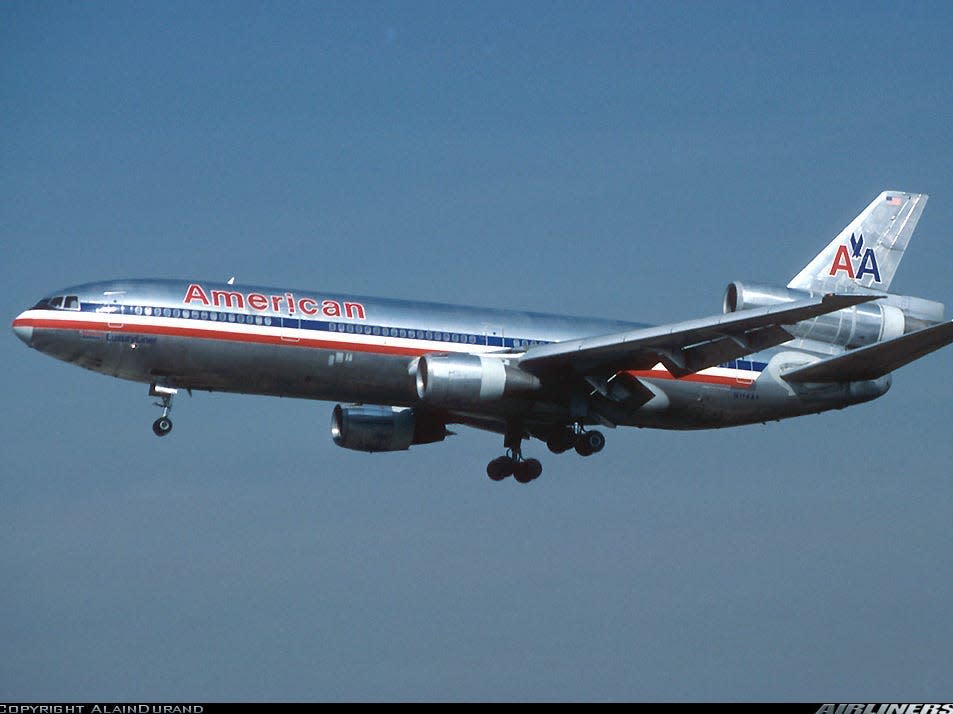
{"x":562,"y":440}
{"x":162,"y":426}
{"x":526,"y":471}
{"x":589,"y":443}
{"x":501,"y":467}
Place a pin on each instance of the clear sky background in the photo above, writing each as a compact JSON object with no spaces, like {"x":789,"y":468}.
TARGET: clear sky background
{"x":612,"y":159}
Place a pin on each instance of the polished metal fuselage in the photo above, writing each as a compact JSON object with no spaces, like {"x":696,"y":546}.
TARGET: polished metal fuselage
{"x":201,"y":335}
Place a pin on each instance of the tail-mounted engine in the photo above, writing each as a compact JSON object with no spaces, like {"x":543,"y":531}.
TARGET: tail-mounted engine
{"x":455,"y":380}
{"x":889,"y":317}
{"x":374,"y":428}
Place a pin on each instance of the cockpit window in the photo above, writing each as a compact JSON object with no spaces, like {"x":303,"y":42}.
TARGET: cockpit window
{"x":70,"y":302}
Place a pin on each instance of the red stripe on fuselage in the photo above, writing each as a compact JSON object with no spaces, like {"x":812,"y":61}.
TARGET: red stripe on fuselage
{"x":206,"y":334}
{"x":742,"y":383}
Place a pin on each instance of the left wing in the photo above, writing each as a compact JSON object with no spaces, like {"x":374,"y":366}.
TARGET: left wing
{"x":683,"y":347}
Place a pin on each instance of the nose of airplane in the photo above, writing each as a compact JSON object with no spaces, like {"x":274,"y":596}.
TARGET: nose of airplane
{"x":23,"y":330}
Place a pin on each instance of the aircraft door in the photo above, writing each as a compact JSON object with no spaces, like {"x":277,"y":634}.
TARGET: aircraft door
{"x":492,"y":336}
{"x":290,"y":323}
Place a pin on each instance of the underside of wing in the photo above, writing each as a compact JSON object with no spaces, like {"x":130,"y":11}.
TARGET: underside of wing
{"x":875,"y":360}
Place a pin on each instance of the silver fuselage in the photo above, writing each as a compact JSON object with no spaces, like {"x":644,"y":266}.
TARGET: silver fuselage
{"x":294,"y":343}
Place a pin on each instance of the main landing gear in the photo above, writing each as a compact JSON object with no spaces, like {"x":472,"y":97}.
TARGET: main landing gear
{"x":513,"y":464}
{"x":162,"y":425}
{"x":586,"y":443}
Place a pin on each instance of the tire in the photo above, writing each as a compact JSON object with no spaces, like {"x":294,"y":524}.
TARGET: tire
{"x":596,"y":441}
{"x":526,"y":471}
{"x":499,"y":468}
{"x":590,"y":442}
{"x":162,"y":426}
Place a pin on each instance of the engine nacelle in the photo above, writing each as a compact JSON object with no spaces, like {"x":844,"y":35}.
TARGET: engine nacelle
{"x":883,"y":319}
{"x":457,"y":380}
{"x":374,"y":428}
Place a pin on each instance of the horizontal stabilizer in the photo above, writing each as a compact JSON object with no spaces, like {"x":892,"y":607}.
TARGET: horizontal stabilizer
{"x":876,"y":360}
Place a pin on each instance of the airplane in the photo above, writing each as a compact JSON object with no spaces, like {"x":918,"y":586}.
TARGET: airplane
{"x":404,"y":371}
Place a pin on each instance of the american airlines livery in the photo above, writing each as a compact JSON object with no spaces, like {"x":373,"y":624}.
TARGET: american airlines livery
{"x":405,"y":371}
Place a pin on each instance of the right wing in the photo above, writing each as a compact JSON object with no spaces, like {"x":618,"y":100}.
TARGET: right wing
{"x":875,"y":360}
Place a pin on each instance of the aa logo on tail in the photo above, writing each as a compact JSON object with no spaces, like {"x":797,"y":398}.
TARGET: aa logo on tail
{"x":857,"y":262}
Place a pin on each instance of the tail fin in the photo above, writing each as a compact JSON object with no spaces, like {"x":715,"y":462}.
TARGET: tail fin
{"x":867,"y":252}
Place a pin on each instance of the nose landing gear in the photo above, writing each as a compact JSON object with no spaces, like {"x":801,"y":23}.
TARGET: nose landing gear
{"x":162,"y":425}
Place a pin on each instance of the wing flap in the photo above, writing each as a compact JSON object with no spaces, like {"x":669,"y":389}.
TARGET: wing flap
{"x":876,"y":360}
{"x":683,"y":347}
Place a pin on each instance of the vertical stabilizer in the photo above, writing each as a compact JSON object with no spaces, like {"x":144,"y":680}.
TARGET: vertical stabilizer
{"x":867,"y":252}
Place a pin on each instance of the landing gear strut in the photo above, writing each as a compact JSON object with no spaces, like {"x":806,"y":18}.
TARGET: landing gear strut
{"x":162,"y":425}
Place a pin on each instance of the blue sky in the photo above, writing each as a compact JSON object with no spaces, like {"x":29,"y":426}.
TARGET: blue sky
{"x":625,"y":160}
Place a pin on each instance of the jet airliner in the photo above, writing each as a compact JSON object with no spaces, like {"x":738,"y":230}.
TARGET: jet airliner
{"x":405,"y":371}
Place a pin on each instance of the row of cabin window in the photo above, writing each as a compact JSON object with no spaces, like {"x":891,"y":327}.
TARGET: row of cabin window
{"x":202,"y":315}
{"x":351,"y":328}
{"x":378,"y":331}
{"x":744,"y":364}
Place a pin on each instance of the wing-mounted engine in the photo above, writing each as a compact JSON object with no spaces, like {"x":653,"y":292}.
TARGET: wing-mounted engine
{"x":462,"y":380}
{"x":883,"y":319}
{"x":375,"y":428}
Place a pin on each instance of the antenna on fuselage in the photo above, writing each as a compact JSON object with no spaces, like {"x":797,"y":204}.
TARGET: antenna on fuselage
{"x":231,"y":280}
